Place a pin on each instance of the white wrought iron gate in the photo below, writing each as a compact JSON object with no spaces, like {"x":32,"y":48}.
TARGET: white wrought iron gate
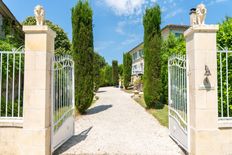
{"x":178,"y":100}
{"x":62,"y":118}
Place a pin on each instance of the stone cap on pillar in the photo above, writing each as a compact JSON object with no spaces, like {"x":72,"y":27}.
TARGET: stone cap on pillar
{"x":39,"y":29}
{"x":201,"y":29}
{"x":39,"y":38}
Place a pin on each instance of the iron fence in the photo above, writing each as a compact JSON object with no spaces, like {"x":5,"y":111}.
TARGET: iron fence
{"x":224,"y":69}
{"x":11,"y":84}
{"x":178,"y":89}
{"x":62,"y":89}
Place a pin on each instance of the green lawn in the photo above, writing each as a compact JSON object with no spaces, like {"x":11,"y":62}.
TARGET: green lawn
{"x":160,"y":111}
{"x":130,"y":91}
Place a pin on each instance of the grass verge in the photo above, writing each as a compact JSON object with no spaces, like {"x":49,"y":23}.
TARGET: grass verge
{"x":130,"y":91}
{"x":159,"y":111}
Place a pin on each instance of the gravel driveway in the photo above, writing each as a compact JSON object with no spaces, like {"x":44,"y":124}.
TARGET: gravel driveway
{"x":116,"y":124}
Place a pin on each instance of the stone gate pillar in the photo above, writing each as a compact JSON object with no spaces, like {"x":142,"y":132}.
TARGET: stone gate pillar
{"x":203,"y":103}
{"x":39,"y":49}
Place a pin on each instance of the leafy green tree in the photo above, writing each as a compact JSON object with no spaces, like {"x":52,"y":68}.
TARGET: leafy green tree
{"x":13,"y":32}
{"x":106,"y":76}
{"x":62,"y":43}
{"x":115,"y":76}
{"x":173,"y":45}
{"x":152,"y":48}
{"x":224,"y":35}
{"x":5,"y":45}
{"x":83,"y":54}
{"x":99,"y":63}
{"x":127,"y":69}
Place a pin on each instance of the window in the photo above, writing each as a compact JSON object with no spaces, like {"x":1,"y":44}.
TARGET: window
{"x":142,"y":67}
{"x":178,"y":34}
{"x":141,"y":54}
{"x":135,"y":67}
{"x":135,"y":56}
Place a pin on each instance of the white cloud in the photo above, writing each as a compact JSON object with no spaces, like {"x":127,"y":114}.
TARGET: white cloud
{"x":131,"y":39}
{"x":120,"y":27}
{"x":216,"y":2}
{"x":174,"y":13}
{"x":126,"y":7}
{"x":101,"y":45}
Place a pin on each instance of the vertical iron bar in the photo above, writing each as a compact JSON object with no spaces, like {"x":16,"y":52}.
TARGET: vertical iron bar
{"x":19,"y":95}
{"x":62,"y":110}
{"x":174,"y":88}
{"x":73,"y":86}
{"x":1,"y":87}
{"x":222,"y":110}
{"x":12,"y":110}
{"x":59,"y":92}
{"x":181,"y":88}
{"x":66,"y":96}
{"x":179,"y":80}
{"x":184,"y":103}
{"x":7,"y":72}
{"x":169,"y":94}
{"x":227,"y":91}
{"x":52,"y":101}
{"x":56,"y":92}
{"x":185,"y":89}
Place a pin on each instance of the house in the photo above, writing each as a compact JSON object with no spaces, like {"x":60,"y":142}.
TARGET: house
{"x":177,"y":30}
{"x":138,"y":54}
{"x":9,"y":25}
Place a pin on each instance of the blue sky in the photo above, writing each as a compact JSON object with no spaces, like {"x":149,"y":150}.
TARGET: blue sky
{"x":118,"y":23}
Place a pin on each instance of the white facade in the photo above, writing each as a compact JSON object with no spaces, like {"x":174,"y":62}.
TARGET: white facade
{"x":138,"y":64}
{"x":137,"y":60}
{"x":137,"y":53}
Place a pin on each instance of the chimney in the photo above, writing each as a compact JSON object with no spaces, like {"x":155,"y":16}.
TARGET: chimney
{"x":192,"y":15}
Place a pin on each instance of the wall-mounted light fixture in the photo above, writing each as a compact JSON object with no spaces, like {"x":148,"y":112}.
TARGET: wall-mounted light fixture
{"x":207,"y":71}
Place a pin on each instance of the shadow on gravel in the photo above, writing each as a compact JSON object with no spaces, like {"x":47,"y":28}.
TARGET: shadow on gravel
{"x":72,"y":141}
{"x":98,"y":109}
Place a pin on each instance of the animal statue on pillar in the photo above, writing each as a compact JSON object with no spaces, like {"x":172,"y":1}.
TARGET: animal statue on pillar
{"x":200,"y":15}
{"x":39,"y":15}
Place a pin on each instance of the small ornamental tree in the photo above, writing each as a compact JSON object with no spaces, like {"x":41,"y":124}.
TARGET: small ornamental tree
{"x":127,"y":69}
{"x":115,"y":77}
{"x":83,"y":54}
{"x":152,"y":48}
{"x":62,"y":43}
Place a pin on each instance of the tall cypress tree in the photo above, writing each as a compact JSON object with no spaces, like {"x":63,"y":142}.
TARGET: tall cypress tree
{"x":152,"y":49}
{"x":127,"y":69}
{"x":115,"y":77}
{"x":83,"y":53}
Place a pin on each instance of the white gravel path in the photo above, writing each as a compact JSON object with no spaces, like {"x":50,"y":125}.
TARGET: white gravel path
{"x":116,"y":124}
